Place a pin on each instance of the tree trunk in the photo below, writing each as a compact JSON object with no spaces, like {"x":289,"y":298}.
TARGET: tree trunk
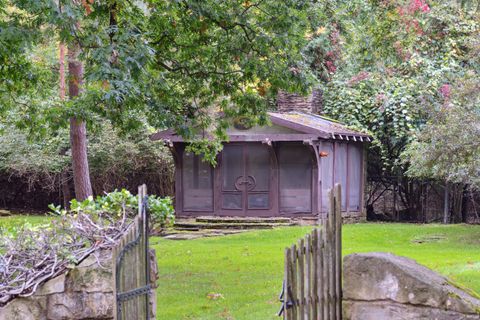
{"x":62,"y":71}
{"x":67,"y":195}
{"x":62,"y":90}
{"x":446,"y":204}
{"x":78,"y":130}
{"x":457,"y":202}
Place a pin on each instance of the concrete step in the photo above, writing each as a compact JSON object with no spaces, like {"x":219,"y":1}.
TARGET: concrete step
{"x":242,"y":220}
{"x":185,"y":229}
{"x":240,"y":226}
{"x":205,"y":233}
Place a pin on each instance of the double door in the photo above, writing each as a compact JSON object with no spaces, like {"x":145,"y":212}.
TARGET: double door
{"x":246,"y":178}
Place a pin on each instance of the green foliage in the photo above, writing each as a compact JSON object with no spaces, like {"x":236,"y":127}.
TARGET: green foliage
{"x":170,"y":63}
{"x":114,"y":157}
{"x":21,"y":157}
{"x":448,"y":147}
{"x":388,"y":63}
{"x":161,"y":211}
{"x":121,"y":202}
{"x":247,"y":268}
{"x":11,"y":225}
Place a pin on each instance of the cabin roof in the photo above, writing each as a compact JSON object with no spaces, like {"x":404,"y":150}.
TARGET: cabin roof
{"x":303,"y":126}
{"x":313,"y":123}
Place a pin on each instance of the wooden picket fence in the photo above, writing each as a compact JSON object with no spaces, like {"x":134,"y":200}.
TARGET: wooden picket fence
{"x":312,"y":287}
{"x":131,"y":267}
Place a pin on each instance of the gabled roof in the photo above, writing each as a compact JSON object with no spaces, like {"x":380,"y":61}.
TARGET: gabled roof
{"x":302,"y":126}
{"x":313,"y":123}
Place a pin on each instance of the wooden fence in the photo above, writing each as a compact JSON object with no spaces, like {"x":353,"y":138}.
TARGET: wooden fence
{"x":131,"y":267}
{"x":312,"y":287}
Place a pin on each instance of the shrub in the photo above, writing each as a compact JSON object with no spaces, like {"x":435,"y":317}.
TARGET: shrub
{"x":161,"y":211}
{"x":117,"y":203}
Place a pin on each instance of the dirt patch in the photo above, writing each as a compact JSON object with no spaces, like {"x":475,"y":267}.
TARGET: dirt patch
{"x":429,"y":238}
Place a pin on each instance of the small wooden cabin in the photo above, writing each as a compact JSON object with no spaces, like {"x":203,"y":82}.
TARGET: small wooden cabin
{"x":284,"y":169}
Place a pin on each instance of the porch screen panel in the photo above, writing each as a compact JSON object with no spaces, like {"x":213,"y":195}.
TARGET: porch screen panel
{"x":258,"y":166}
{"x":326,"y":173}
{"x":354,"y":176}
{"x":258,"y":172}
{"x":233,"y":166}
{"x":197,"y":181}
{"x":295,"y":174}
{"x":341,"y":170}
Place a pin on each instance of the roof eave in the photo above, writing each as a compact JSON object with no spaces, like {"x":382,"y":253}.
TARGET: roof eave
{"x":298,"y":127}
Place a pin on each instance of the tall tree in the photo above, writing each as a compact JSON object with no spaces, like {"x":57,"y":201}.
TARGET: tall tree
{"x":78,"y":128}
{"x":384,"y":66}
{"x":164,"y":63}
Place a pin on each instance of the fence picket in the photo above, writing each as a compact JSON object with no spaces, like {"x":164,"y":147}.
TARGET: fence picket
{"x":338,"y":250}
{"x":313,"y":279}
{"x":308,"y":278}
{"x":319,"y":275}
{"x":293,"y":253}
{"x":287,"y":312}
{"x":301,"y":276}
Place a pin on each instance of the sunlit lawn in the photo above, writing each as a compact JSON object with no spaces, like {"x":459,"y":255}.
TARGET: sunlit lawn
{"x":240,"y":276}
{"x":13,"y":222}
{"x":246,"y":269}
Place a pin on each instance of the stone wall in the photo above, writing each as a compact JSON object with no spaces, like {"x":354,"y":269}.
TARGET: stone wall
{"x":354,"y":217}
{"x":385,"y":286}
{"x":84,"y":292}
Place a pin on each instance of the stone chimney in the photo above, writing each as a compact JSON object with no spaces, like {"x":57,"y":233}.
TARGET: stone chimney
{"x":294,"y":102}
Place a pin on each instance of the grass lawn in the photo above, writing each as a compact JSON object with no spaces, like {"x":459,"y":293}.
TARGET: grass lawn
{"x":247,"y":269}
{"x":15,"y":221}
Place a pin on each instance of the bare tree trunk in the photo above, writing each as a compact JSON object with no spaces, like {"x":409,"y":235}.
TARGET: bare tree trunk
{"x":62,"y":71}
{"x":446,"y":204}
{"x":67,"y":196}
{"x":457,"y":202}
{"x":78,"y":130}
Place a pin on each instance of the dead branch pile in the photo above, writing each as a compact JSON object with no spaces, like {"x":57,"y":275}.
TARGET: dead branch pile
{"x":34,"y":255}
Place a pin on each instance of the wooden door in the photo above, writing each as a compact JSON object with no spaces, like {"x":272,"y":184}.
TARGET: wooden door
{"x":246,"y":175}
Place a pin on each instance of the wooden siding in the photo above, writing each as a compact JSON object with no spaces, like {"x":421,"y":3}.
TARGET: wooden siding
{"x":273,"y":210}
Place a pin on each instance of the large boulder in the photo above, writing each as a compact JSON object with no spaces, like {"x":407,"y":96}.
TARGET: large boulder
{"x":385,"y":286}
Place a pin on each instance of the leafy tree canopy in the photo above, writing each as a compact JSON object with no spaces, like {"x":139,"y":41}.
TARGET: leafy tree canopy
{"x":169,"y":63}
{"x":386,"y":65}
{"x":448,"y":147}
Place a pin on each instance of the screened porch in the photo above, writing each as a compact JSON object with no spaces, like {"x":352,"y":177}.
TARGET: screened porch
{"x":288,"y":178}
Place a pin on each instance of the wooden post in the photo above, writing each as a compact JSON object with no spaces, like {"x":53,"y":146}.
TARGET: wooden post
{"x":446,"y":204}
{"x":331,"y":258}
{"x":301,"y":273}
{"x":325,"y":268}
{"x":338,"y":250}
{"x":114,"y":277}
{"x":315,"y":275}
{"x":294,"y":278}
{"x":287,"y":313}
{"x":313,"y":269}
{"x":308,"y":277}
{"x":321,"y":273}
{"x":133,"y":270}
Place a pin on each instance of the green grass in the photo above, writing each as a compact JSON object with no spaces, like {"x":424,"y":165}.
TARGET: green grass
{"x":13,"y":222}
{"x":247,"y":269}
